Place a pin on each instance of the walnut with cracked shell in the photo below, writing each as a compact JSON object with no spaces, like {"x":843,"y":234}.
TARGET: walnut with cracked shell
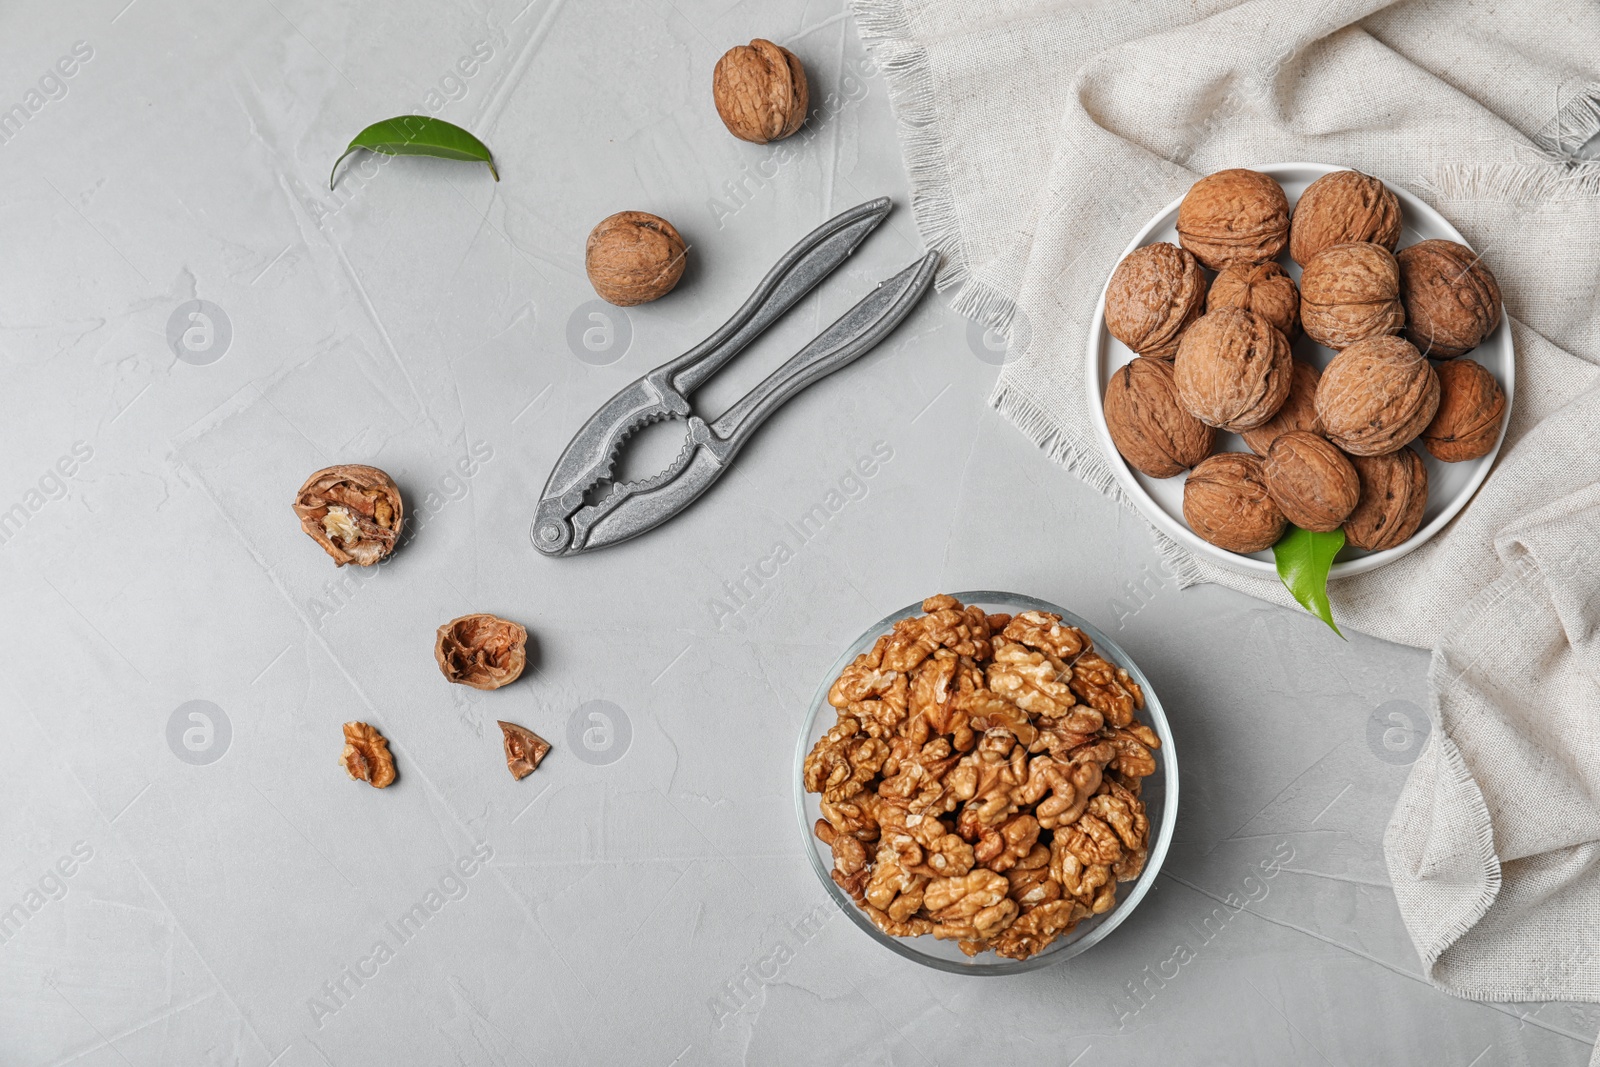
{"x":760,"y":91}
{"x":968,"y":749}
{"x":483,"y":651}
{"x":1349,"y":292}
{"x":1225,"y":501}
{"x":1452,"y":300}
{"x":353,"y":511}
{"x":1341,"y":207}
{"x":1232,"y":369}
{"x":1234,"y":216}
{"x":1376,"y":396}
{"x":1471,"y":405}
{"x":1154,"y":294}
{"x":1147,"y":422}
{"x":1312,"y":482}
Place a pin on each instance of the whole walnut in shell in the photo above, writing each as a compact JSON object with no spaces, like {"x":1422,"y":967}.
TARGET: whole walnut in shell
{"x":483,"y":651}
{"x":1313,"y":483}
{"x":760,"y":91}
{"x":1341,"y":207}
{"x":1452,"y":301}
{"x":1264,"y":288}
{"x":1376,"y":396}
{"x":1234,"y":216}
{"x":1350,"y":292}
{"x":1232,"y":369}
{"x":1225,"y":501}
{"x":1471,"y":405}
{"x":1394,"y":492}
{"x":1155,"y":293}
{"x":1147,"y":422}
{"x":1299,"y":412}
{"x":634,"y":257}
{"x":353,"y":511}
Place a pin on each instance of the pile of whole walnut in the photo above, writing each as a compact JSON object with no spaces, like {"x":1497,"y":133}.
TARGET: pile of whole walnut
{"x":1328,"y":449}
{"x":982,"y":781}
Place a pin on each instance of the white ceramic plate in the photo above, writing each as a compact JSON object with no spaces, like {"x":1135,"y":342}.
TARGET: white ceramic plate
{"x":1450,"y":485}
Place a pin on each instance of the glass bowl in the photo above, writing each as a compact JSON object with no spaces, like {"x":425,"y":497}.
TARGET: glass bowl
{"x":1160,"y":793}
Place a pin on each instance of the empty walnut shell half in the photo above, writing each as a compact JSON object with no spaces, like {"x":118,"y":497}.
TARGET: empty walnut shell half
{"x":1225,"y":501}
{"x":1394,"y":492}
{"x":1155,"y":293}
{"x":760,"y":91}
{"x":1341,"y":207}
{"x":1299,"y":412}
{"x":1377,"y":396}
{"x":1350,"y":292}
{"x":1234,"y":216}
{"x":366,"y":755}
{"x":525,"y":750}
{"x":1452,"y":300}
{"x":634,"y":257}
{"x":354,"y":512}
{"x":483,"y":651}
{"x":1471,"y":405}
{"x":1264,"y":288}
{"x":1312,"y":482}
{"x":1148,"y":424}
{"x":1232,"y":369}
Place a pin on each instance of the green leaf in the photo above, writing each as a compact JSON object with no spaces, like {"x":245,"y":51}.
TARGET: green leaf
{"x":418,"y":135}
{"x":1303,"y":560}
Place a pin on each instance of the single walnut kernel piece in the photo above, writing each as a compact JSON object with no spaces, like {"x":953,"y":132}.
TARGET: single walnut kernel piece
{"x":1155,"y":293}
{"x":1471,"y":404}
{"x":1147,"y":422}
{"x":1264,"y":288}
{"x":1376,"y":396}
{"x":1342,"y":207}
{"x":525,"y":750}
{"x":1312,"y":482}
{"x":942,"y":817}
{"x":1234,"y":216}
{"x":1299,"y":412}
{"x":1225,"y":501}
{"x":634,"y":257}
{"x":354,"y":512}
{"x":483,"y":651}
{"x":366,"y":755}
{"x":760,"y":91}
{"x":1350,"y":292}
{"x":1394,"y":492}
{"x":1232,"y":370}
{"x":1452,"y":300}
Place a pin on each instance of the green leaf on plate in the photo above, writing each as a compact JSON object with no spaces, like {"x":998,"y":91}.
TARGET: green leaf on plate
{"x":418,"y":135}
{"x":1303,"y":560}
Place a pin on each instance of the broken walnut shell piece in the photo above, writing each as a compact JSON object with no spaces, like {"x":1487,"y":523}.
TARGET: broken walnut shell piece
{"x":353,"y":511}
{"x":525,"y":750}
{"x":366,"y":755}
{"x":483,"y":651}
{"x":761,"y":92}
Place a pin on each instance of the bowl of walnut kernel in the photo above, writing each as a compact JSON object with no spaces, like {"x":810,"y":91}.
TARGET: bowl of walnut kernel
{"x":987,"y":784}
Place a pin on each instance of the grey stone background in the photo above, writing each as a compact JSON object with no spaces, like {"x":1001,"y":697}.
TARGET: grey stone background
{"x":190,"y":878}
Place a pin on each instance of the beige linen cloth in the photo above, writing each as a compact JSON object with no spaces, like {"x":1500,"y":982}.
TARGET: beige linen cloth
{"x":1041,"y":134}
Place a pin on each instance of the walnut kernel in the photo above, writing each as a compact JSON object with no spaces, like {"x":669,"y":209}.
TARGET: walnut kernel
{"x":366,"y":755}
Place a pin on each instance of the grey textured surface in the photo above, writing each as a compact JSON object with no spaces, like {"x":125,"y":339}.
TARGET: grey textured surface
{"x":643,"y":901}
